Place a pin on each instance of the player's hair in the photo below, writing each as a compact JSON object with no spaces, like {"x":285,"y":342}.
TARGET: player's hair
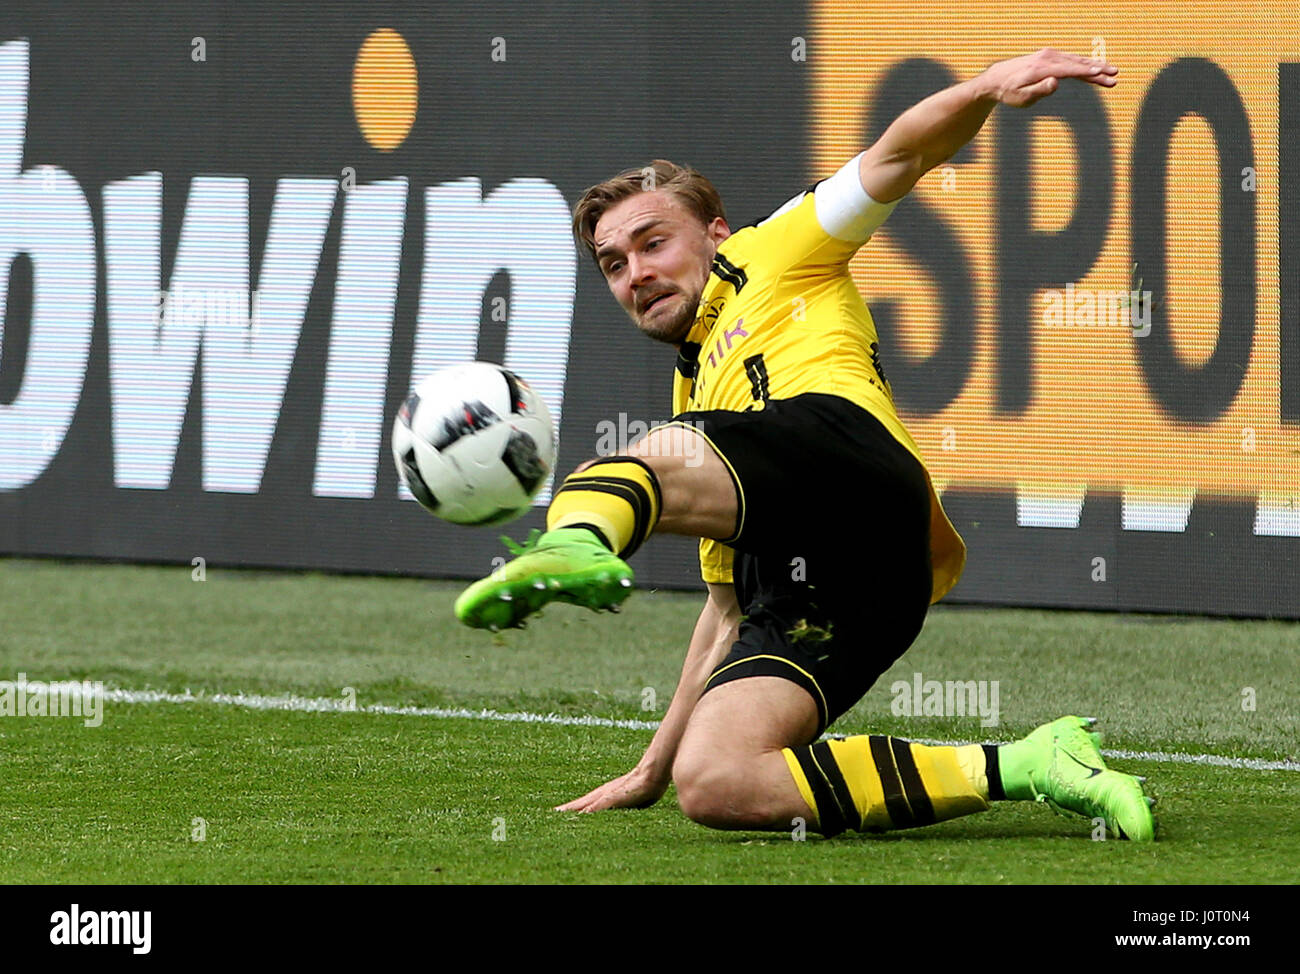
{"x":690,"y":187}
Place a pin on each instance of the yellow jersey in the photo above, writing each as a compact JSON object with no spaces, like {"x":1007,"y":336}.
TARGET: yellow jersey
{"x":780,"y":316}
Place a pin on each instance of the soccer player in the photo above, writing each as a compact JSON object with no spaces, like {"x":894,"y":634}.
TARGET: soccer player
{"x":823,"y":542}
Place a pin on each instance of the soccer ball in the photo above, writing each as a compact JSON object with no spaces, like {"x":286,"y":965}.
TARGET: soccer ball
{"x":474,"y":443}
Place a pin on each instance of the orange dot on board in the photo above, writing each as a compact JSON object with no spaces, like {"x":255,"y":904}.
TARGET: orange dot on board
{"x":385,"y":89}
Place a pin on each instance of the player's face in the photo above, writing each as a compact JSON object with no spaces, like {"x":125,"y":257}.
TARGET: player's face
{"x":655,"y":255}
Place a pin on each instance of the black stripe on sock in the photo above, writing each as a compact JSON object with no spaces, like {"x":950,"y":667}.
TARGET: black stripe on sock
{"x":913,"y":787}
{"x":600,"y":535}
{"x":631,"y":492}
{"x":646,"y":516}
{"x":848,"y":808}
{"x":900,"y":815}
{"x":641,"y":510}
{"x":654,"y":480}
{"x":993,"y":773}
{"x":829,"y":820}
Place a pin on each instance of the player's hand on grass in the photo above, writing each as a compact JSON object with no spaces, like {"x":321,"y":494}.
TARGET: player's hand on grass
{"x":1024,"y":80}
{"x":638,"y":788}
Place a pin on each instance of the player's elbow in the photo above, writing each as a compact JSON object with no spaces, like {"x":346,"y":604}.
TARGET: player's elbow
{"x":890,"y":176}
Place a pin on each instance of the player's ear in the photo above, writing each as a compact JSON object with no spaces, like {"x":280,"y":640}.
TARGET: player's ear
{"x":718,"y":230}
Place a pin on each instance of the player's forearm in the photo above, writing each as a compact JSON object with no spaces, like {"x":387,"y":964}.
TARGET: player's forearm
{"x":928,"y":133}
{"x":714,"y":633}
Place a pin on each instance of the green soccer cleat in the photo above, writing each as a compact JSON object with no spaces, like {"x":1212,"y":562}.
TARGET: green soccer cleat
{"x":565,"y":565}
{"x":1068,"y":774}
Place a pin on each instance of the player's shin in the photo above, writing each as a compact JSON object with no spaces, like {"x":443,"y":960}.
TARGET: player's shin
{"x":616,"y":498}
{"x":874,"y":783}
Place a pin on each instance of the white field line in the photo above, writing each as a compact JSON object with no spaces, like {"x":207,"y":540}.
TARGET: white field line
{"x":338,"y":705}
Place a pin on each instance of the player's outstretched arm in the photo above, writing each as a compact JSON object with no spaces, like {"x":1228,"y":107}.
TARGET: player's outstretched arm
{"x":645,"y":784}
{"x":932,"y":130}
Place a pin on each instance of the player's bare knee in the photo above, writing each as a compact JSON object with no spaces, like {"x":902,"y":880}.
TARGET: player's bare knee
{"x":680,"y":446}
{"x":717,"y":793}
{"x":703,"y":801}
{"x":669,"y":471}
{"x":691,"y":777}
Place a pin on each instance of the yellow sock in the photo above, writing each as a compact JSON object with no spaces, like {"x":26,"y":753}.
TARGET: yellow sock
{"x":616,"y":497}
{"x":874,"y":783}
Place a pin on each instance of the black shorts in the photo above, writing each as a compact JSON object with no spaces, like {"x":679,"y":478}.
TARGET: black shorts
{"x":832,"y":541}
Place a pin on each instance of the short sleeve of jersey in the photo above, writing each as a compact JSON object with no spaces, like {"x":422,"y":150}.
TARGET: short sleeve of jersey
{"x":716,"y":561}
{"x":825,"y":225}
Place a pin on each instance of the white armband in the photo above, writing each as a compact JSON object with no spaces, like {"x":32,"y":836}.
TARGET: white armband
{"x":845,"y":210}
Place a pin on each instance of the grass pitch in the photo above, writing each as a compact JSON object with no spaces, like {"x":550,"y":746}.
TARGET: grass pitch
{"x":210,"y":793}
